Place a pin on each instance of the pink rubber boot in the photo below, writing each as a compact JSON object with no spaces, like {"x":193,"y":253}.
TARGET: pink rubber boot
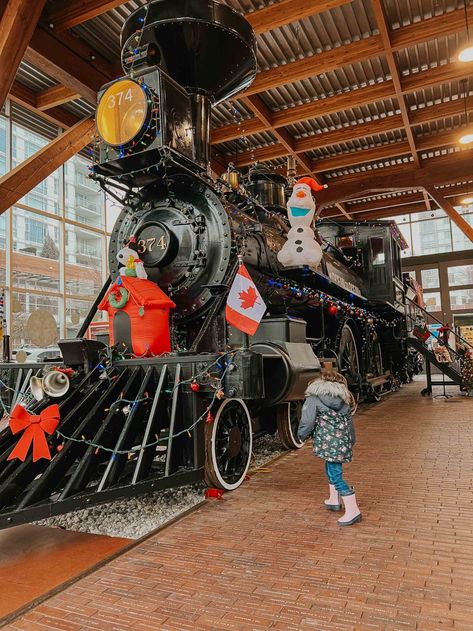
{"x":352,"y":512}
{"x":333,"y":502}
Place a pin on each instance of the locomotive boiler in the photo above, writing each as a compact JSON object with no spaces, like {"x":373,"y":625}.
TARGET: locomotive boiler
{"x":132,"y":424}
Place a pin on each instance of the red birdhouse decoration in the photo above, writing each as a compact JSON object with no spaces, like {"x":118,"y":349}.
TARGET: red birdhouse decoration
{"x":138,"y":312}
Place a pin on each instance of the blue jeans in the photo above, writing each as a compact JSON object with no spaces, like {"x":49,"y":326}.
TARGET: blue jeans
{"x":334,"y":471}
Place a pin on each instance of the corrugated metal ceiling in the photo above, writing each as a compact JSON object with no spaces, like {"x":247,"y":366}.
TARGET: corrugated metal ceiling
{"x":311,"y":36}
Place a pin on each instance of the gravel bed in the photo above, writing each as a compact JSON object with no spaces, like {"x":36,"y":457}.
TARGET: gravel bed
{"x":137,"y":516}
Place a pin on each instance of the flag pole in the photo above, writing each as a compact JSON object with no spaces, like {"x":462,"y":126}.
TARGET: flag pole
{"x":246,"y":337}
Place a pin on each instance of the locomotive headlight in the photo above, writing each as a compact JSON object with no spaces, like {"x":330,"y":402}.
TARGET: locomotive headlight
{"x":123,"y":112}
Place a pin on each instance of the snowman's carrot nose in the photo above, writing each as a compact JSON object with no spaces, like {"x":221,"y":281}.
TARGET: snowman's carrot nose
{"x":300,"y":194}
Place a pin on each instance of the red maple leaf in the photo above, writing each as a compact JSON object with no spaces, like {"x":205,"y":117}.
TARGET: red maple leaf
{"x":248,"y":298}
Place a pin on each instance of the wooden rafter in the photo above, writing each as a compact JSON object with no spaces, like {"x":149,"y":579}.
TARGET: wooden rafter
{"x":395,"y":75}
{"x":52,"y":97}
{"x":27,"y":98}
{"x":402,"y":204}
{"x":441,"y":170}
{"x":17,"y":26}
{"x":316,"y":64}
{"x":73,"y":12}
{"x":367,"y":48}
{"x":342,"y":208}
{"x":64,"y":65}
{"x":450,"y":210}
{"x":22,"y":179}
{"x":355,"y":98}
{"x":265,"y":115}
{"x":288,"y":11}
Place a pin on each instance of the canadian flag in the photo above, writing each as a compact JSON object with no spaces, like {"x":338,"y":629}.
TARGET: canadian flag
{"x":245,"y":307}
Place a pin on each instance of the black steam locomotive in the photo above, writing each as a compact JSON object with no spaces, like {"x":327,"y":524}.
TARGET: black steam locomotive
{"x":130,"y":425}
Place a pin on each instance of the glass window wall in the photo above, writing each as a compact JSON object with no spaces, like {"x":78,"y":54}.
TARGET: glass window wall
{"x":433,"y":232}
{"x":53,"y":242}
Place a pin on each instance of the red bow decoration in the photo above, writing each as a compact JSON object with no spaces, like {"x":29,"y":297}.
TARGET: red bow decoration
{"x":34,"y":430}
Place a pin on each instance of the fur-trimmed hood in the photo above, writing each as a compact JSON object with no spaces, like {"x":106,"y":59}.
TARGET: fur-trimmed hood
{"x":321,"y":388}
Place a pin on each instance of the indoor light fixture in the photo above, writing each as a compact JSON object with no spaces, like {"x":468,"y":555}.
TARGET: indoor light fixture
{"x":467,"y":200}
{"x":466,"y":53}
{"x":467,"y":137}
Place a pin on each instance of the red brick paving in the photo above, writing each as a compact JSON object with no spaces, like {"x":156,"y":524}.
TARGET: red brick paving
{"x":271,"y":557}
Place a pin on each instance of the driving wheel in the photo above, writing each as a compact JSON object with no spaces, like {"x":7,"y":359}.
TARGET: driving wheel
{"x":228,"y":445}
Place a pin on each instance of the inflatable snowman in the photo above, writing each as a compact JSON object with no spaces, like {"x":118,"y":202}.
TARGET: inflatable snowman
{"x":301,"y":248}
{"x":131,"y":264}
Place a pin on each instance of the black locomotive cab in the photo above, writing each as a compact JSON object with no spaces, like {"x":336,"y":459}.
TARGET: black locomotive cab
{"x":373,"y":248}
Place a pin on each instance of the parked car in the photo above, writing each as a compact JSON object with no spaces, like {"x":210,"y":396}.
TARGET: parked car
{"x":36,"y":355}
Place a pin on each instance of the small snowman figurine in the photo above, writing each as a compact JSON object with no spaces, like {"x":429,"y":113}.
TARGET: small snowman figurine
{"x":301,"y":248}
{"x":131,"y":264}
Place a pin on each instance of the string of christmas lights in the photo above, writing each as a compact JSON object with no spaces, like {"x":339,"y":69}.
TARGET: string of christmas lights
{"x":335,"y":305}
{"x":130,"y":404}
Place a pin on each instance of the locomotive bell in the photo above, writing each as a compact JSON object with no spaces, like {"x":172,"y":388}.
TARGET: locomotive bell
{"x":55,"y":384}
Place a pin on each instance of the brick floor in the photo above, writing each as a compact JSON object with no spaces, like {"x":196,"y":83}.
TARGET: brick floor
{"x":270,"y":556}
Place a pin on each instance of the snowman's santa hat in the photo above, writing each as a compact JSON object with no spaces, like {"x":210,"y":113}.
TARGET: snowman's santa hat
{"x":311,"y":183}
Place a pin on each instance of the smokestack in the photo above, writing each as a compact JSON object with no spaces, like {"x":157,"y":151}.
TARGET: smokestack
{"x":206,"y":47}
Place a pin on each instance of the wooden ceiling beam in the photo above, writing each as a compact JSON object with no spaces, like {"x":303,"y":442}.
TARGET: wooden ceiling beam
{"x":342,"y":208}
{"x":441,"y":170}
{"x":288,"y":11}
{"x":73,"y":12}
{"x":64,"y":65}
{"x":450,"y":210}
{"x":437,"y":111}
{"x":403,"y":203}
{"x":363,"y":130}
{"x":361,"y":96}
{"x":367,"y":48}
{"x":70,"y":13}
{"x":17,"y":26}
{"x":439,"y":25}
{"x":372,"y":154}
{"x":383,"y":27}
{"x":54,"y":96}
{"x":261,"y":110}
{"x":315,"y":65}
{"x":22,"y":179}
{"x":325,"y":139}
{"x":25,"y":97}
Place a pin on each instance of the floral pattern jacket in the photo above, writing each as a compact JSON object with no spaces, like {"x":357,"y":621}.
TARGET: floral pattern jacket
{"x":326,"y":415}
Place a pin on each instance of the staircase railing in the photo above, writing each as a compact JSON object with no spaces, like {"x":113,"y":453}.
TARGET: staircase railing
{"x":427,"y":314}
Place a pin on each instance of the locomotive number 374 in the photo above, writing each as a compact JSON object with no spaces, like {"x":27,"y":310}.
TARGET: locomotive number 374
{"x":147,"y":245}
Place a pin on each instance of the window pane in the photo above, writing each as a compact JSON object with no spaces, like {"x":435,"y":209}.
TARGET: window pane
{"x":432,"y":301}
{"x":84,"y":198}
{"x":76,"y":312}
{"x":36,"y":251}
{"x":46,"y":195}
{"x":23,"y":305}
{"x":431,"y":237}
{"x":84,"y":261}
{"x":461,"y":299}
{"x":377,"y":250}
{"x":430,"y":278}
{"x":3,"y":248}
{"x":460,"y":275}
{"x":460,"y":240}
{"x":3,"y":145}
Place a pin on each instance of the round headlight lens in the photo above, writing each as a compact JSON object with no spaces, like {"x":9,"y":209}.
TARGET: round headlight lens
{"x":122,"y":112}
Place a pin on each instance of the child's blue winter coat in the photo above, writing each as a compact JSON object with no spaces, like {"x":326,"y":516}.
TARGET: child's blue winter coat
{"x":327,"y":415}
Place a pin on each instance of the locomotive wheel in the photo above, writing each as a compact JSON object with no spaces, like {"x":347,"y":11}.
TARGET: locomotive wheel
{"x":348,"y":361}
{"x":287,"y":418}
{"x":228,"y":446}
